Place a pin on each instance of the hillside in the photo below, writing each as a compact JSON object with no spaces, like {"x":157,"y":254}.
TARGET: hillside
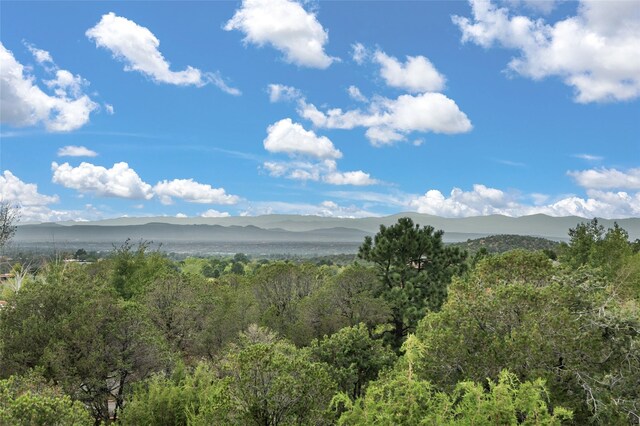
{"x":502,"y":243}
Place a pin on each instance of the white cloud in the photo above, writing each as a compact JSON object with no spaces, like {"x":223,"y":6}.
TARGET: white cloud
{"x":280,"y":92}
{"x":299,"y":170}
{"x":589,"y":157}
{"x":416,"y":75}
{"x":118,"y":181}
{"x":15,"y":191}
{"x":33,"y":206}
{"x":276,"y":169}
{"x":137,"y":47}
{"x":76,"y":151}
{"x":485,"y":201}
{"x":325,"y":171}
{"x":41,"y":56}
{"x":181,"y":215}
{"x":356,"y":94}
{"x":611,"y":205}
{"x":286,"y":26}
{"x":214,"y":213}
{"x":23,"y":103}
{"x":596,"y":52}
{"x":607,"y":178}
{"x":324,"y":209}
{"x":219,"y":82}
{"x":357,"y":178}
{"x":391,"y":120}
{"x":291,"y":138}
{"x":47,"y":214}
{"x":193,"y":192}
{"x":481,"y":201}
{"x":109,"y":109}
{"x":359,"y":53}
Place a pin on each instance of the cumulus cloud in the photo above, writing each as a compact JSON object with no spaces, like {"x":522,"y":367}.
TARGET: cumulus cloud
{"x":483,"y":200}
{"x":137,"y":47}
{"x":291,"y":138}
{"x":314,"y":157}
{"x":285,"y":25}
{"x":416,"y":75}
{"x":119,"y":181}
{"x":76,"y":151}
{"x":24,"y":103}
{"x":596,"y":51}
{"x":214,"y":213}
{"x":280,"y":92}
{"x":607,"y":178}
{"x":391,"y":120}
{"x":15,"y":191}
{"x":324,"y":171}
{"x":192,"y":192}
{"x":324,"y":209}
{"x":356,"y":178}
{"x":34,"y":206}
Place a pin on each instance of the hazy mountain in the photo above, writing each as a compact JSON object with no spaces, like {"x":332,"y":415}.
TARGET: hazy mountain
{"x":282,"y":233}
{"x":534,"y":225}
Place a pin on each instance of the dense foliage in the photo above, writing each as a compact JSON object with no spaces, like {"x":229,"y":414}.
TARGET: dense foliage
{"x":506,"y":242}
{"x":412,"y":333}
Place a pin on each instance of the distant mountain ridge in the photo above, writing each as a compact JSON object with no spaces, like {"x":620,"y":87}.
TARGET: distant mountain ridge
{"x":276,"y":226}
{"x":164,"y":232}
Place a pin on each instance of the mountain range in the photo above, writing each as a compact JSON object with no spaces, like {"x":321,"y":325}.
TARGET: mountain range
{"x":296,"y":228}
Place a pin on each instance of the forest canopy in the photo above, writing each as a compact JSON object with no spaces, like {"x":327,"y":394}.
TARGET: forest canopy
{"x":411,"y":332}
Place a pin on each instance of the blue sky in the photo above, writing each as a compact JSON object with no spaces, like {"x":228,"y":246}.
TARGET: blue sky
{"x":333,"y":108}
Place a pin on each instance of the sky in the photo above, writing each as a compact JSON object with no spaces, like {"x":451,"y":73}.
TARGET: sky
{"x":329,"y":108}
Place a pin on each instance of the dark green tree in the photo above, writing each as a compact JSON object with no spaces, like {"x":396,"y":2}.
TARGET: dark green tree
{"x":414,"y":269}
{"x":533,"y":267}
{"x":354,"y":356}
{"x":73,"y":325}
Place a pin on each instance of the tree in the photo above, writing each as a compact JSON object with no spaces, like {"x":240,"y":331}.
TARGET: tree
{"x":414,"y":269}
{"x":515,"y":266}
{"x":354,"y":356}
{"x":399,"y":399}
{"x":266,"y":381}
{"x":163,"y":400}
{"x":279,"y":287}
{"x":29,"y":400}
{"x":573,"y":332}
{"x":133,"y":270}
{"x":344,"y":300}
{"x":92,"y":343}
{"x":351,"y":292}
{"x":591,"y":245}
{"x":9,"y":216}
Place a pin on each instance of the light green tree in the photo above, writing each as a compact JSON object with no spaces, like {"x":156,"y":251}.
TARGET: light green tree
{"x":29,"y":400}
